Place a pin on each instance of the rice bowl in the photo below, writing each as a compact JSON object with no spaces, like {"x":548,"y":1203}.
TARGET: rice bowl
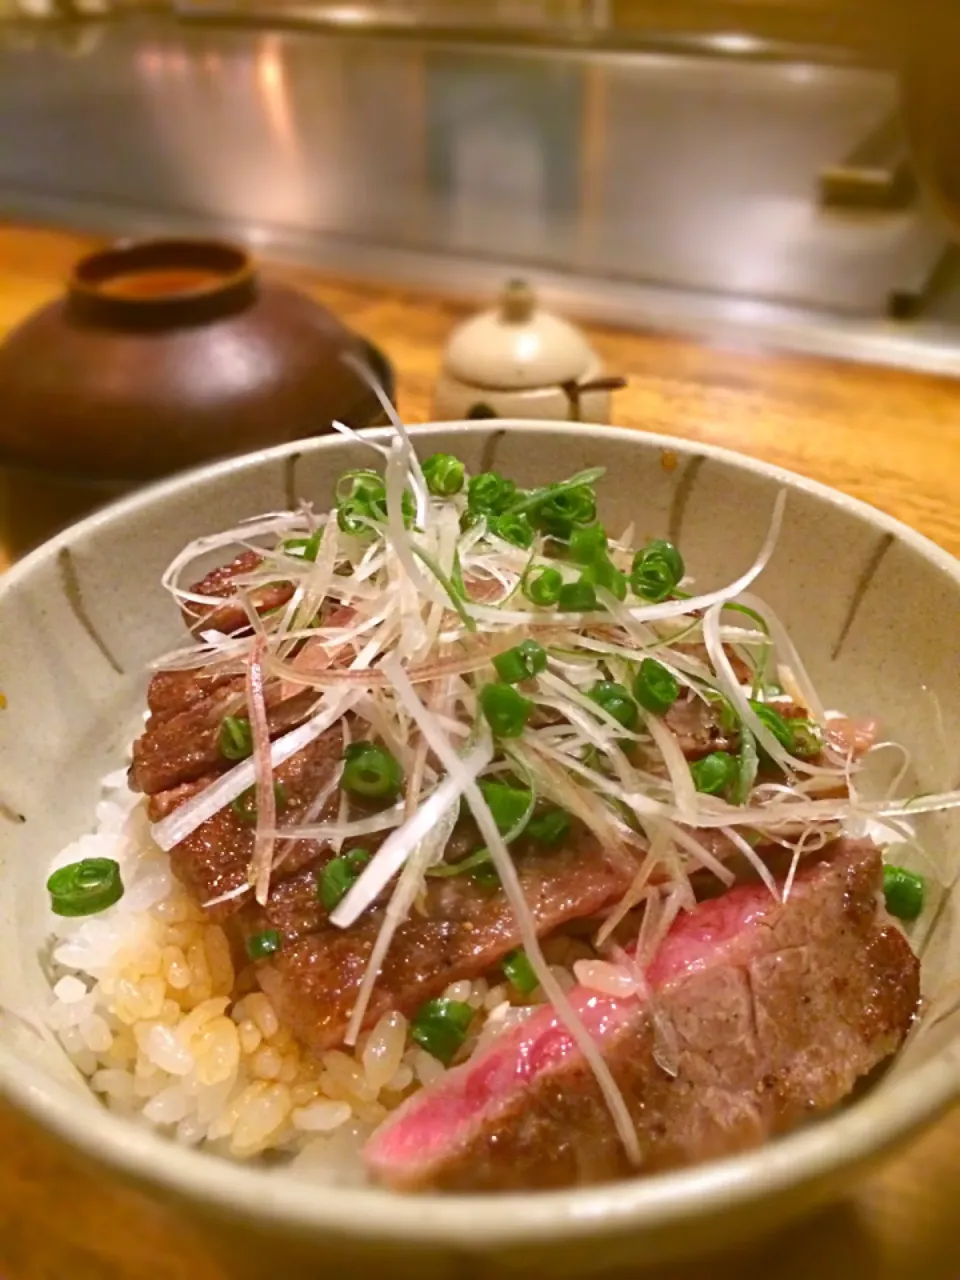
{"x":659,"y":1202}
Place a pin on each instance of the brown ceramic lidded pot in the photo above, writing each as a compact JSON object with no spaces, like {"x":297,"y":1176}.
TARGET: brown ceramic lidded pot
{"x":162,"y":355}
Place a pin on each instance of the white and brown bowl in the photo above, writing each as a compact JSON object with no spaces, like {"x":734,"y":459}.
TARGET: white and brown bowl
{"x":873,"y":607}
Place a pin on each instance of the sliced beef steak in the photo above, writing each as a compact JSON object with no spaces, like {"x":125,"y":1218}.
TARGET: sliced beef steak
{"x":173,"y":692}
{"x":777,"y":1011}
{"x":186,"y":746}
{"x":231,"y":616}
{"x":464,"y":929}
{"x":214,"y":859}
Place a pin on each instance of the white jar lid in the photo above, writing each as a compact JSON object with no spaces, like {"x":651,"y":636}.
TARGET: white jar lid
{"x":516,"y":346}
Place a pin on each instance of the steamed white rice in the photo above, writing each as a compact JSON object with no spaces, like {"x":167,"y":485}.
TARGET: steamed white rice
{"x":143,"y":1003}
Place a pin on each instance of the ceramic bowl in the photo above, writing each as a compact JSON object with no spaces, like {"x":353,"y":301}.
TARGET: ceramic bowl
{"x":163,"y":355}
{"x":872,"y":606}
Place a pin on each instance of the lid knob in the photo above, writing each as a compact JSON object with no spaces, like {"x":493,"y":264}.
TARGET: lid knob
{"x":517,"y":302}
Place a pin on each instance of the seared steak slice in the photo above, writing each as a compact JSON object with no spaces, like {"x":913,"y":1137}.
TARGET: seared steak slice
{"x":214,"y":859}
{"x":777,"y":1011}
{"x":185,"y":746}
{"x":171,"y":692}
{"x":231,"y":616}
{"x":465,"y":929}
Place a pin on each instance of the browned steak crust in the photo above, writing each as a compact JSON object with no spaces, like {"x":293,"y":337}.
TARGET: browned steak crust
{"x":465,"y":928}
{"x":231,"y":616}
{"x":214,"y":859}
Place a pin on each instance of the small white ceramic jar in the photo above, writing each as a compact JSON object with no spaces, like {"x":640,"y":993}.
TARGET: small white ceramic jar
{"x":519,"y":361}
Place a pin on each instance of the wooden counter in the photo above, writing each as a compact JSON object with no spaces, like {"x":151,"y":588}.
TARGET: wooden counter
{"x":890,"y":438}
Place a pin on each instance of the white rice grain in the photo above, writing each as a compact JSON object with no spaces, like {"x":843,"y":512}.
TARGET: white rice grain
{"x":401,"y":1079}
{"x":609,"y":979}
{"x":70,"y":990}
{"x":427,"y":1068}
{"x":117,"y":1084}
{"x":262,"y":1109}
{"x":165,"y":1050}
{"x":96,"y":1034}
{"x":321,"y":1117}
{"x":190,"y":1131}
{"x":459,"y":991}
{"x":349,"y":1075}
{"x":383,"y":1051}
{"x":169,"y":1106}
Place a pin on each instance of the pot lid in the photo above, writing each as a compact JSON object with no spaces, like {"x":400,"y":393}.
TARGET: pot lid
{"x":517,"y":346}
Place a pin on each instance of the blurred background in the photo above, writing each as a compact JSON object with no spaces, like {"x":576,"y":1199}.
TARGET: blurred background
{"x":719,"y":167}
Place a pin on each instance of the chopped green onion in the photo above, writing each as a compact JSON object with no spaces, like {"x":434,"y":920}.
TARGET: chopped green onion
{"x":577,"y":597}
{"x":354,"y":517}
{"x":616,"y":701}
{"x":655,"y":688}
{"x":456,"y":578}
{"x":236,"y":738}
{"x":371,"y":771}
{"x":360,"y":483}
{"x":761,"y":662}
{"x":441,"y":1027}
{"x":444,"y":474}
{"x":714,"y":773}
{"x":522,"y":662}
{"x":588,"y":545}
{"x":263,"y":944}
{"x":536,"y":497}
{"x":904,"y":892}
{"x":86,"y":887}
{"x":519,"y":973}
{"x":603,"y":573}
{"x":513,"y":528}
{"x":489,"y":493}
{"x":747,"y":762}
{"x":542,"y":587}
{"x":800,"y":737}
{"x":777,"y":724}
{"x":453,"y":585}
{"x":549,"y":828}
{"x":245,"y":805}
{"x":657,"y":569}
{"x":505,"y":710}
{"x":653,"y":581}
{"x":667,"y":552}
{"x":474,"y":864}
{"x":807,"y":741}
{"x":562,"y":509}
{"x":366,"y":504}
{"x":338,"y":875}
{"x":305,"y":548}
{"x":507,"y":804}
{"x":727,"y":717}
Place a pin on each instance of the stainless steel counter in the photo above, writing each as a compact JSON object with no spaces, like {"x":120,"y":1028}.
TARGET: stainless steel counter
{"x":646,"y":189}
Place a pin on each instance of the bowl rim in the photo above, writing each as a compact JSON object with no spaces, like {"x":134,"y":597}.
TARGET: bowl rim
{"x":484,"y":1223}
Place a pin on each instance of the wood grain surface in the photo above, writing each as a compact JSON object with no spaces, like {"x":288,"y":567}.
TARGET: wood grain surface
{"x":890,"y":438}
